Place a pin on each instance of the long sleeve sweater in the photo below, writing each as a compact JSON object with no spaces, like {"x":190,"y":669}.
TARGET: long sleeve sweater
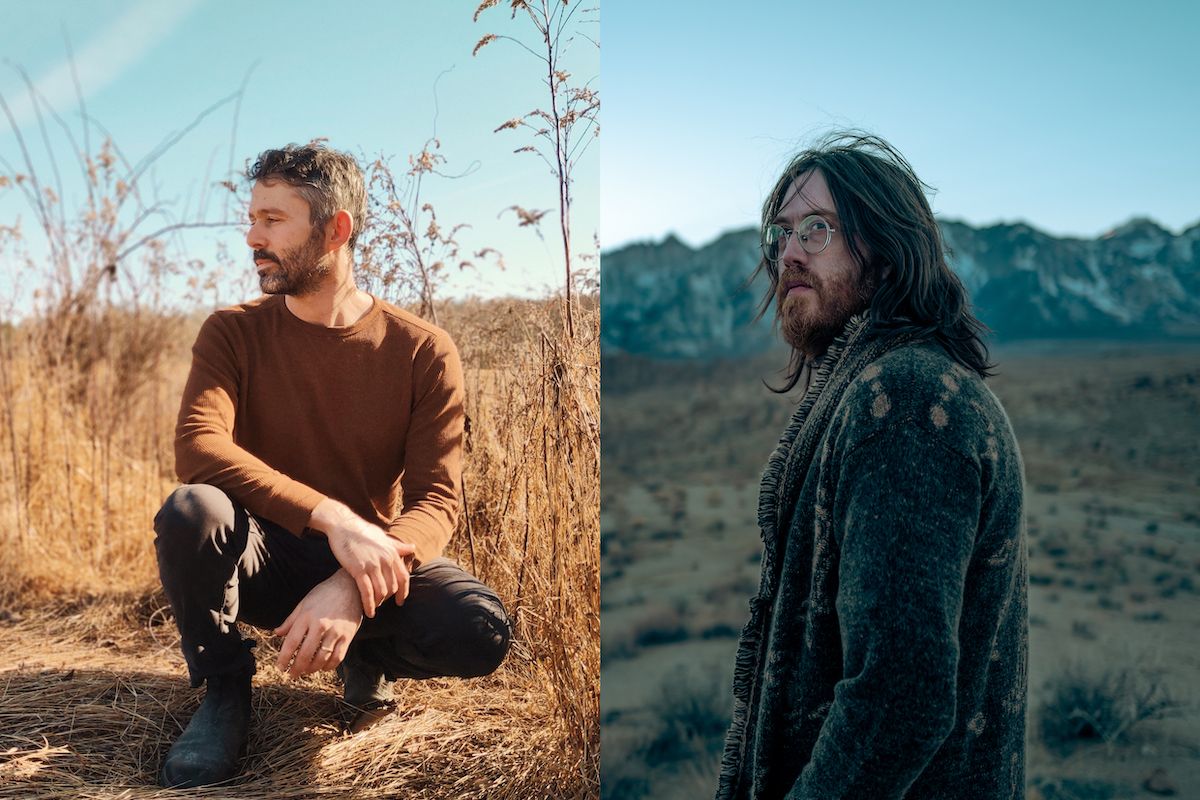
{"x":886,"y":652}
{"x":280,"y":414}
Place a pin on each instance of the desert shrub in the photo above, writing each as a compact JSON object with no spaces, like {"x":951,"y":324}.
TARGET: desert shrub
{"x":659,"y":626}
{"x":692,"y":715}
{"x":623,"y":775}
{"x":720,"y":630}
{"x":616,"y":645}
{"x":624,"y":787}
{"x":1083,"y":707}
{"x":1071,"y":789}
{"x":1083,"y":629}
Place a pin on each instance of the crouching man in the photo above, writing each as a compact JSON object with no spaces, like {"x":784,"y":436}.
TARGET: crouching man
{"x":320,"y":444}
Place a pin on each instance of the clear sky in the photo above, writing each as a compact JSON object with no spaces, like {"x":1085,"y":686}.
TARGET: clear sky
{"x":1073,"y":116}
{"x":361,"y":74}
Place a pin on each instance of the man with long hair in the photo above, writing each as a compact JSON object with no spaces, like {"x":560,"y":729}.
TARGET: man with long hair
{"x":886,"y":651}
{"x":320,"y":444}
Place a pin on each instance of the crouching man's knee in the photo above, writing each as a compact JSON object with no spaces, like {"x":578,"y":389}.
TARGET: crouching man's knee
{"x":488,"y":635}
{"x":194,"y":517}
{"x":451,"y":625}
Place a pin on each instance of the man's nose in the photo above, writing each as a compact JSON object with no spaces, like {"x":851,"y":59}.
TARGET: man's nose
{"x":793,"y":252}
{"x":255,"y":239}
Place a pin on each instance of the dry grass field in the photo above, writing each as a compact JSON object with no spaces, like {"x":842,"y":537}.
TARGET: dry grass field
{"x":1110,"y":435}
{"x":93,"y":688}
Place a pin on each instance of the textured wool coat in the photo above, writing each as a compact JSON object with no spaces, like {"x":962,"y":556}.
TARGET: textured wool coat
{"x":886,"y":651}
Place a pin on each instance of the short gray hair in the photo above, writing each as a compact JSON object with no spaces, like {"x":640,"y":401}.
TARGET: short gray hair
{"x":329,"y":180}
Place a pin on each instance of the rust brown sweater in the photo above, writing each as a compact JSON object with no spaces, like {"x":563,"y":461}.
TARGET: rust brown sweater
{"x":280,"y":414}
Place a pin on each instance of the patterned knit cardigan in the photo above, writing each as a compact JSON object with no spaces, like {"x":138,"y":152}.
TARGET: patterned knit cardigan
{"x":886,"y":651}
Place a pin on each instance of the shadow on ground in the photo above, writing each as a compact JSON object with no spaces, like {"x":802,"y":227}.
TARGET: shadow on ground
{"x":99,"y":729}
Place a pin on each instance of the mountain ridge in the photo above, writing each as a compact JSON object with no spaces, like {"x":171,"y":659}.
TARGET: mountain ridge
{"x":1138,"y":280}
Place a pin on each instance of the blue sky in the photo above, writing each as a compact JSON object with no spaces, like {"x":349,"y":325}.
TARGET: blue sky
{"x":1072,"y":116}
{"x":361,"y":74}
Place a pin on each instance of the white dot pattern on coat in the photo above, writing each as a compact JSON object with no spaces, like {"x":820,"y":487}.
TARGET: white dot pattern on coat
{"x":881,"y":406}
{"x":939,"y":417}
{"x":977,"y":723}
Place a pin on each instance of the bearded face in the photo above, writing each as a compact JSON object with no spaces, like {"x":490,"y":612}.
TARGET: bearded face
{"x":297,"y":270}
{"x":814,"y":307}
{"x":818,"y":292}
{"x":290,"y":252}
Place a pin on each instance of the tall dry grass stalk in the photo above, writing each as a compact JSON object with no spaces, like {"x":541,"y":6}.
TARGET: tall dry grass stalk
{"x":565,"y":128}
{"x":405,"y":252}
{"x":532,"y":526}
{"x":87,"y":452}
{"x":87,"y":339}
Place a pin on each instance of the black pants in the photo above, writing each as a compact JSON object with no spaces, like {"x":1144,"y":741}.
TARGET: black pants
{"x":220,"y":564}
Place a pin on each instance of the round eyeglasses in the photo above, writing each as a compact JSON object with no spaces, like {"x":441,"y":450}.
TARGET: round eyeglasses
{"x":814,"y":233}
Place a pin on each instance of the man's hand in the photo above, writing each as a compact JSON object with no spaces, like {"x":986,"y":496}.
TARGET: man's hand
{"x":378,"y":563}
{"x":320,"y":628}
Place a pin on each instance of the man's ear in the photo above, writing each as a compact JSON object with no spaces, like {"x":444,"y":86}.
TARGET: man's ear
{"x":339,"y":228}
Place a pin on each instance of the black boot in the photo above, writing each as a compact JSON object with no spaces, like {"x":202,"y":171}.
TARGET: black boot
{"x":366,"y":692}
{"x":210,"y":747}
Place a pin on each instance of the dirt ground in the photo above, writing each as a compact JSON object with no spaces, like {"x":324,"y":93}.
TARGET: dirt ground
{"x":1110,"y":436}
{"x":92,"y":695}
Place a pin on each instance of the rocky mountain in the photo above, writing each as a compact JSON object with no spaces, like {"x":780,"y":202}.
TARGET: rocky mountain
{"x":1139,"y":280}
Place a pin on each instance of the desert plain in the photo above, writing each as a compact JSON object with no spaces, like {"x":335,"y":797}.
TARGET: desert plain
{"x":1110,"y":437}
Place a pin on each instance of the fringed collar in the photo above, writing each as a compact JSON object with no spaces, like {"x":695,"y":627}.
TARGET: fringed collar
{"x":768,"y":497}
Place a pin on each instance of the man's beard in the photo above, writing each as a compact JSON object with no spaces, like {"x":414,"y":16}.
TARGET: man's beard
{"x":298,"y":271}
{"x":810,"y":324}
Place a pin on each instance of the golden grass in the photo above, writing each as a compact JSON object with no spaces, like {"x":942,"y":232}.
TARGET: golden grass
{"x":92,"y":687}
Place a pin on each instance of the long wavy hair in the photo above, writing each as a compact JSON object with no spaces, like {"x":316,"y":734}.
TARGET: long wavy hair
{"x":883,"y":212}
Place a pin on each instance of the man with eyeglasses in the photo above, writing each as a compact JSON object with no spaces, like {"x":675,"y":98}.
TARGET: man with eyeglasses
{"x":886,"y":651}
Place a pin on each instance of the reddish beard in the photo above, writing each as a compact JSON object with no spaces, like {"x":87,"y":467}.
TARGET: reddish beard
{"x":810,"y":321}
